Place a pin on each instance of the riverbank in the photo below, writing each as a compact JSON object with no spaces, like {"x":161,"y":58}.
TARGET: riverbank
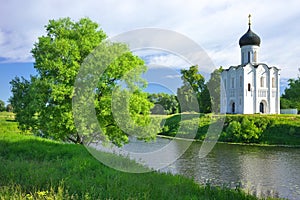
{"x":277,"y":130}
{"x":230,"y":143}
{"x":36,"y":168}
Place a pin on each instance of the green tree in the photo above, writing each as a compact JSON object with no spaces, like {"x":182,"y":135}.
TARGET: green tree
{"x":194,"y":92}
{"x":27,"y":100}
{"x":9,"y":108}
{"x":285,"y":103}
{"x":188,"y":99}
{"x":214,"y":89}
{"x":205,"y":100}
{"x":291,"y":96}
{"x":192,"y":77}
{"x":164,"y":103}
{"x":47,"y":99}
{"x":2,"y":106}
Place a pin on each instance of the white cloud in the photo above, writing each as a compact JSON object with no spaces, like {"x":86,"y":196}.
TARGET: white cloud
{"x":213,"y":24}
{"x":173,"y":76}
{"x":166,"y":60}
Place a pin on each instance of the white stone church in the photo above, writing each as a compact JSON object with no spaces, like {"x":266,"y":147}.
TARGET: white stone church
{"x":250,"y":87}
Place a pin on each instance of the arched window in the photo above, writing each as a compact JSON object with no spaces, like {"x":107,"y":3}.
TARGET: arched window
{"x":273,"y":83}
{"x":261,"y":107}
{"x":255,"y":56}
{"x":262,"y":81}
{"x":249,"y":87}
{"x":249,"y":57}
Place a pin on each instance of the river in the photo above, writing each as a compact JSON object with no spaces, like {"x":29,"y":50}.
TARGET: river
{"x":261,"y":170}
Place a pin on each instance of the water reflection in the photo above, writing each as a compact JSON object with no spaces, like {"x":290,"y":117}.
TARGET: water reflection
{"x":263,"y":171}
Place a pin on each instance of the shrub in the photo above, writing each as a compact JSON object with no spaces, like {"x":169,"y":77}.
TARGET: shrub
{"x":250,"y":133}
{"x":233,"y":131}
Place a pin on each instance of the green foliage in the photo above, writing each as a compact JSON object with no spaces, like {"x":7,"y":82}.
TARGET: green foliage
{"x":2,"y":106}
{"x":233,"y":131}
{"x":285,"y":103}
{"x":205,"y":100}
{"x":283,"y":129}
{"x":213,"y":85}
{"x":36,"y":168}
{"x":260,"y":129}
{"x":9,"y":108}
{"x":189,"y":94}
{"x":183,"y":125}
{"x":244,"y":128}
{"x":250,"y":133}
{"x":192,"y":77}
{"x":164,"y":103}
{"x":194,"y":88}
{"x":291,"y":96}
{"x":24,"y":99}
{"x":43,"y":104}
{"x":188,"y":99}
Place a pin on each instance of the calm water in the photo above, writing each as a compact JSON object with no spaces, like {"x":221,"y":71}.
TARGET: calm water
{"x":263,"y":171}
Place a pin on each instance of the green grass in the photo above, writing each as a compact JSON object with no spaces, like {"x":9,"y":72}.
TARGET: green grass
{"x":7,"y":123}
{"x":36,"y":168}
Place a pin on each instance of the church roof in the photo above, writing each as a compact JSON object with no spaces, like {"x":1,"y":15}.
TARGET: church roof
{"x":249,"y":38}
{"x":253,"y":65}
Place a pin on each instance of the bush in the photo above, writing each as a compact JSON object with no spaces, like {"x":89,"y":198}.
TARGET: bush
{"x":250,"y":133}
{"x":233,"y":131}
{"x":263,"y":129}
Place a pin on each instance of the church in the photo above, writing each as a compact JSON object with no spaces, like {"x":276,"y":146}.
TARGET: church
{"x":251,"y":87}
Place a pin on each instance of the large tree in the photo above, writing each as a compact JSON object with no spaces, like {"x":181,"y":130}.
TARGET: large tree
{"x":213,"y":86}
{"x":46,"y":100}
{"x":207,"y":94}
{"x":190,"y":91}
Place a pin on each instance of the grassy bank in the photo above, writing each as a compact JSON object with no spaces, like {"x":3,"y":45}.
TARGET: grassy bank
{"x":258,"y":129}
{"x":36,"y":168}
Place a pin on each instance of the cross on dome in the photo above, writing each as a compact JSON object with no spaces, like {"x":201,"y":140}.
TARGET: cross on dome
{"x":249,"y":17}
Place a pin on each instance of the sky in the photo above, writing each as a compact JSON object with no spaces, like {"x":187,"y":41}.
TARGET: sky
{"x":215,"y":25}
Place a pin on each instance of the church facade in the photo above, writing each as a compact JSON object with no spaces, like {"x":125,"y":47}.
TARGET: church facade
{"x":250,"y":87}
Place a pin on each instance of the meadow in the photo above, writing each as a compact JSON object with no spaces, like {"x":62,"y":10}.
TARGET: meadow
{"x":37,"y":168}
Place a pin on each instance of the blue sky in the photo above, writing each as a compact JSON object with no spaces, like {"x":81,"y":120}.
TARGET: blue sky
{"x":215,"y":25}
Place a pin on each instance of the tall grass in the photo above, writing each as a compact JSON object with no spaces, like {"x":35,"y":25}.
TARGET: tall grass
{"x":36,"y":168}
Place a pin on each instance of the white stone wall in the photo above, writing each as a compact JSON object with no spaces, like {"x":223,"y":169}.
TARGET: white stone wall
{"x":249,"y":96}
{"x":262,"y":95}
